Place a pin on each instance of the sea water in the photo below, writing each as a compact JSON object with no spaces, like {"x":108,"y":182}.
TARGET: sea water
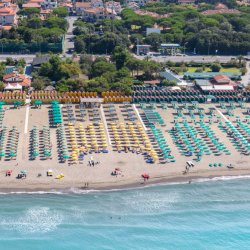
{"x":201,"y":215}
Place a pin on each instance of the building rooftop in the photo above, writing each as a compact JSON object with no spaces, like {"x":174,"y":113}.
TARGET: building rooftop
{"x":83,"y":5}
{"x":31,"y":5}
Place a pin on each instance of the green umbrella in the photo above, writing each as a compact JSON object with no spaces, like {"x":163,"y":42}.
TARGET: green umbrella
{"x":54,"y":102}
{"x":47,"y":153}
{"x":65,"y":156}
{"x":38,"y":102}
{"x":12,"y":154}
{"x":35,"y":153}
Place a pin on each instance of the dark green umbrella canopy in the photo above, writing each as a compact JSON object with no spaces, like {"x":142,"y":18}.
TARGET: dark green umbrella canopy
{"x":47,"y":153}
{"x":17,"y":102}
{"x":35,"y":153}
{"x":12,"y":154}
{"x":38,"y":102}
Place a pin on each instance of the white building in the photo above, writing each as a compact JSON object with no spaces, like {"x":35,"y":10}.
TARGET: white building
{"x":116,"y":6}
{"x":94,"y":14}
{"x":7,"y":16}
{"x":138,"y":2}
{"x":97,"y":3}
{"x":49,"y":4}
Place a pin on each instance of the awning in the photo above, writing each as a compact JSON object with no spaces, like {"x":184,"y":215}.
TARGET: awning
{"x":13,"y":87}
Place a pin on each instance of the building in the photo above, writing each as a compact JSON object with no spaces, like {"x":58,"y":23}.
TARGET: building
{"x":49,"y":4}
{"x":138,"y":2}
{"x":14,"y":80}
{"x":41,"y":4}
{"x":8,"y":16}
{"x":170,"y":76}
{"x":142,"y":49}
{"x":186,"y":1}
{"x":94,"y":10}
{"x":221,"y":9}
{"x":31,"y":5}
{"x":116,"y":6}
{"x":69,"y":6}
{"x":152,"y":30}
{"x":133,"y":6}
{"x":38,"y":61}
{"x":221,"y":79}
{"x":93,"y":14}
{"x":97,"y":3}
{"x":44,"y":14}
{"x":211,"y":75}
{"x":169,"y":48}
{"x":81,"y":7}
{"x":217,"y":82}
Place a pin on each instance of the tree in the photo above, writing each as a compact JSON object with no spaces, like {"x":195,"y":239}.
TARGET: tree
{"x":10,"y":61}
{"x":29,"y":12}
{"x":79,"y":45}
{"x":215,"y":67}
{"x":21,"y":62}
{"x":2,"y":85}
{"x":100,"y":68}
{"x":60,"y":11}
{"x":119,"y":56}
{"x":155,"y":40}
{"x":168,"y":83}
{"x":38,"y":84}
{"x":34,"y":23}
{"x":199,"y":70}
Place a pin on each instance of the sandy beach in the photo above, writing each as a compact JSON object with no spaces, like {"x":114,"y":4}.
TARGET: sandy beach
{"x":130,"y":165}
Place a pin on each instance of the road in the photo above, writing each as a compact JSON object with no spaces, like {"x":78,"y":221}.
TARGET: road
{"x":68,"y":43}
{"x":194,"y":58}
{"x":28,"y":57}
{"x":246,"y":78}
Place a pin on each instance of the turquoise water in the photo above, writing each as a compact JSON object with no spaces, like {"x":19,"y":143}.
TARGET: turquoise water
{"x":204,"y":215}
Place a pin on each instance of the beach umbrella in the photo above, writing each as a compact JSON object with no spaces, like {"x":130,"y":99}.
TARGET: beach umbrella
{"x":54,"y":102}
{"x":47,"y":153}
{"x":65,"y":156}
{"x":35,"y":153}
{"x":12,"y":154}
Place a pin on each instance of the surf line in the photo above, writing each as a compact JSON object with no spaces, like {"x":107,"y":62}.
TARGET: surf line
{"x":26,"y":119}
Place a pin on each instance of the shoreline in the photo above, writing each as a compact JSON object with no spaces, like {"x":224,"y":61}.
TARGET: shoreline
{"x":117,"y":186}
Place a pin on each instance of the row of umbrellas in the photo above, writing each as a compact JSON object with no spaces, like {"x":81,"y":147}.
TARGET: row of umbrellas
{"x":2,"y":140}
{"x":56,"y":113}
{"x":46,"y":141}
{"x":64,"y":153}
{"x":165,"y":148}
{"x":129,"y":135}
{"x":214,"y":140}
{"x":34,"y":142}
{"x":12,"y":142}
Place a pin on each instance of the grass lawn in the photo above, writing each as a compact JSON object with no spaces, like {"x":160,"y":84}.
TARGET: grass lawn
{"x":231,"y":70}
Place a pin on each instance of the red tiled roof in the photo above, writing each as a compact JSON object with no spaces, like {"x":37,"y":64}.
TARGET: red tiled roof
{"x":83,"y":5}
{"x":31,"y":5}
{"x":7,"y":76}
{"x":221,"y":77}
{"x":6,"y":11}
{"x":18,"y":78}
